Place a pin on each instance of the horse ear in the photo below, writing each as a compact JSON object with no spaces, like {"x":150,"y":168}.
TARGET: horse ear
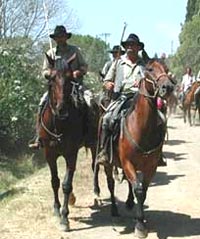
{"x":145,"y":56}
{"x":50,"y":60}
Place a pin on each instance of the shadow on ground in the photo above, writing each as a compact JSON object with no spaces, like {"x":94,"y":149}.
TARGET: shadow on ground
{"x":175,"y":142}
{"x":162,"y":178}
{"x":174,"y":156}
{"x":165,"y":223}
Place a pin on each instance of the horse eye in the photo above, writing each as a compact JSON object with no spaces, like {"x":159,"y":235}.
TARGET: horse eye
{"x":150,"y":69}
{"x":51,"y":79}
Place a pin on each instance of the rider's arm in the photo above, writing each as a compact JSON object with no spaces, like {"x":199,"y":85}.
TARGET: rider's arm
{"x":46,"y":69}
{"x":110,"y":76}
{"x":82,"y":65}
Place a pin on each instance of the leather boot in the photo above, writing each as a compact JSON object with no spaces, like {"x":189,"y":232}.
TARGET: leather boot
{"x":102,"y":157}
{"x":37,"y":141}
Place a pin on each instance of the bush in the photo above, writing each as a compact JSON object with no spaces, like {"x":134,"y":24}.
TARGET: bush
{"x":20,"y":89}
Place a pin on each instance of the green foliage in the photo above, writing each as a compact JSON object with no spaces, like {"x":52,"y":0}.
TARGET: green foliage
{"x":13,"y":169}
{"x":20,"y":89}
{"x":193,"y":8}
{"x":188,"y":54}
{"x":93,"y":49}
{"x":21,"y":85}
{"x":95,"y":54}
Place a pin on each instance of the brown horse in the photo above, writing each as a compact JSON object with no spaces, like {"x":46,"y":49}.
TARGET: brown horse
{"x":139,"y":146}
{"x":172,"y":103}
{"x":187,"y":104}
{"x":63,"y":131}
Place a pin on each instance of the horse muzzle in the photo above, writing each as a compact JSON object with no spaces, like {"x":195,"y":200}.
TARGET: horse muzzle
{"x":165,"y":90}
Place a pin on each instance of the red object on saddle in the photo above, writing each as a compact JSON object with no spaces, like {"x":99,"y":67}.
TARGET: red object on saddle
{"x":159,"y":103}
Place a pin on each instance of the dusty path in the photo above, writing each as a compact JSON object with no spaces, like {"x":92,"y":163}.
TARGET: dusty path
{"x":172,"y":205}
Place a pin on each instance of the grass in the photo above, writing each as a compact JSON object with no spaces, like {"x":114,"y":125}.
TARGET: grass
{"x":11,"y":170}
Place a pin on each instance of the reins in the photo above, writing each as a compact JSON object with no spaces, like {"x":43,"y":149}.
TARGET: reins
{"x":147,"y":95}
{"x":56,"y":136}
{"x":154,"y":84}
{"x":134,"y":143}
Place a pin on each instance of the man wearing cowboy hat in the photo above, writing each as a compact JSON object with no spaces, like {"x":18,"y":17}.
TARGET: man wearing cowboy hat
{"x":128,"y":73}
{"x":64,"y":50}
{"x":128,"y":69}
{"x":116,"y":52}
{"x":61,"y":51}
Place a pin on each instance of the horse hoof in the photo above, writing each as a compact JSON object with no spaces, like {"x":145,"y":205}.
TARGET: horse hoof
{"x":64,"y":226}
{"x":98,"y":202}
{"x":72,"y":199}
{"x":141,"y":231}
{"x":56,"y":212}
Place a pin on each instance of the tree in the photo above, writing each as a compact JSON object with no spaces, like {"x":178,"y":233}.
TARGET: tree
{"x":188,"y":54}
{"x":20,"y":89}
{"x":193,"y":8}
{"x":26,"y":18}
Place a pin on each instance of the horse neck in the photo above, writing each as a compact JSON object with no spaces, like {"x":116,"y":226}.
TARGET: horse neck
{"x":144,"y":112}
{"x":190,"y":95}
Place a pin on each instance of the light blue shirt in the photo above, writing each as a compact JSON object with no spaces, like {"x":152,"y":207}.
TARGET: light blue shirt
{"x":125,"y":74}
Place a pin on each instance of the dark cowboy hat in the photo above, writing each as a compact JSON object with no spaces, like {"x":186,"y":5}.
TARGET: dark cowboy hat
{"x":117,"y":49}
{"x":60,"y":31}
{"x":133,"y":38}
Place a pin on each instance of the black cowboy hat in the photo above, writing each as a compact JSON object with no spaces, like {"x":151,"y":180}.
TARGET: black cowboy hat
{"x":133,"y":38}
{"x":117,"y":49}
{"x":60,"y":31}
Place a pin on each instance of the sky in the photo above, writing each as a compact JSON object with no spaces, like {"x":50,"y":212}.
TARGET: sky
{"x":156,"y":22}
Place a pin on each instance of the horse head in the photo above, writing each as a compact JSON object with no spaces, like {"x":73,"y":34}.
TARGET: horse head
{"x":60,"y":86}
{"x":157,"y":81}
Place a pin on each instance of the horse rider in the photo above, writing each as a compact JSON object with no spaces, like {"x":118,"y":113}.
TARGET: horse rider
{"x":62,"y":51}
{"x":123,"y":78}
{"x":116,"y":52}
{"x":187,"y":80}
{"x":197,"y":91}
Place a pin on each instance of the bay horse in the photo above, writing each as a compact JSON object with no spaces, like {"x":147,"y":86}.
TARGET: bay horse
{"x":139,"y":145}
{"x":172,"y":103}
{"x":63,"y":131}
{"x":187,"y":104}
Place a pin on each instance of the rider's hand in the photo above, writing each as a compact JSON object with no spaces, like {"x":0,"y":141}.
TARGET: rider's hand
{"x":109,"y":85}
{"x":49,"y":73}
{"x":136,"y":84}
{"x":77,"y":74}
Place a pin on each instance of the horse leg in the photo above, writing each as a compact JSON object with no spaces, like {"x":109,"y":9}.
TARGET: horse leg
{"x":194,"y":117}
{"x":93,"y":153}
{"x":111,"y":186}
{"x":67,"y":188}
{"x":184,"y":115}
{"x":130,"y":200}
{"x":55,"y":181}
{"x":96,"y":180}
{"x":140,"y":193}
{"x":189,"y":116}
{"x":199,"y":113}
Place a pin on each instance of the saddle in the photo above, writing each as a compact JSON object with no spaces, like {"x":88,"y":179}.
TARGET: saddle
{"x":119,"y":110}
{"x":117,"y":119}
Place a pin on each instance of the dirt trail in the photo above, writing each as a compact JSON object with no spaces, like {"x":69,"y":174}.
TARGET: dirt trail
{"x":172,"y":205}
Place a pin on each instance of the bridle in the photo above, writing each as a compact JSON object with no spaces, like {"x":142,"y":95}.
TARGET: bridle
{"x":154,"y":82}
{"x":49,"y":102}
